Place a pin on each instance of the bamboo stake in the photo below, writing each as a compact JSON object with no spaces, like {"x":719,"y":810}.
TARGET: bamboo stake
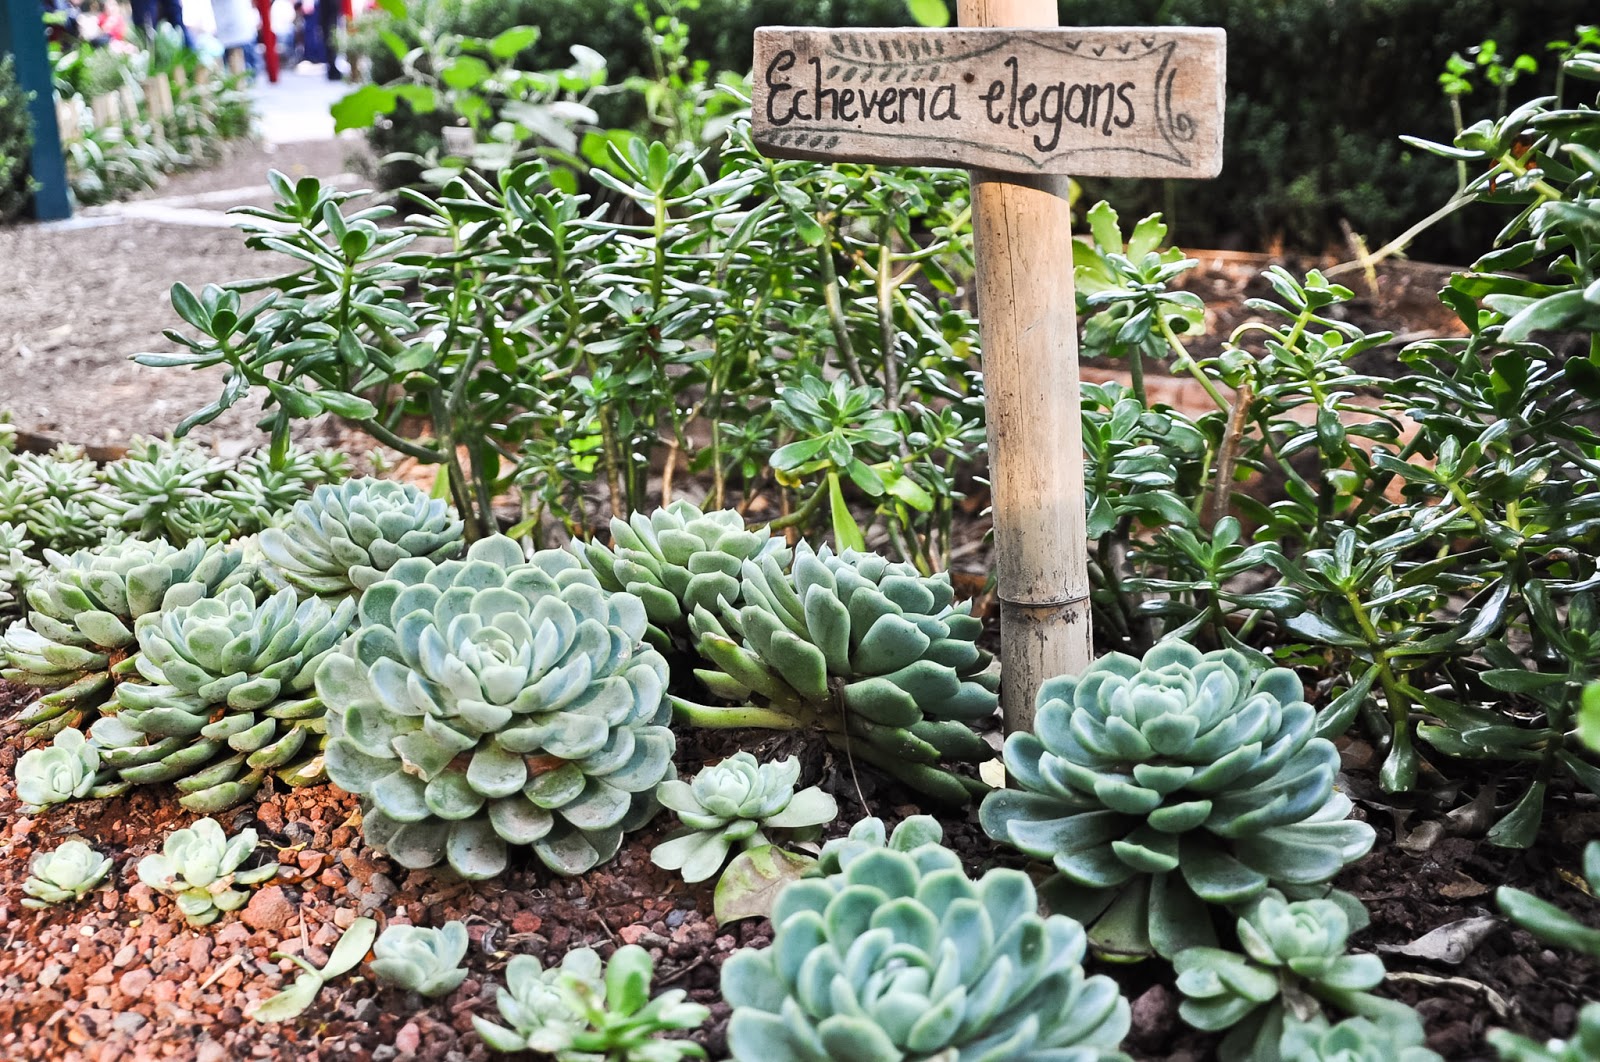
{"x":1027,"y":322}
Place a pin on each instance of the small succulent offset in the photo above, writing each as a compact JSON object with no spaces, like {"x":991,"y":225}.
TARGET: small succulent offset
{"x":65,"y":875}
{"x":871,"y":652}
{"x":1582,"y":1046}
{"x":1155,"y":785}
{"x":901,"y":956}
{"x":911,"y":834}
{"x":583,"y":1012}
{"x":421,"y":959}
{"x":344,"y":538}
{"x":1362,"y":1040}
{"x":677,"y":559}
{"x":199,"y":868}
{"x":66,"y":770}
{"x":1295,"y":957}
{"x":79,"y":640}
{"x":292,"y":1001}
{"x":18,"y":571}
{"x":227,"y":696}
{"x":735,"y":802}
{"x":494,"y":701}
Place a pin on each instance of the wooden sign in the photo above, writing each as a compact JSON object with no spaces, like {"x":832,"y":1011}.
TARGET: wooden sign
{"x":1089,"y":102}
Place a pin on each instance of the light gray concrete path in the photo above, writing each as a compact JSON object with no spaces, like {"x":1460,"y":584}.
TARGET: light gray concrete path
{"x":296,"y":108}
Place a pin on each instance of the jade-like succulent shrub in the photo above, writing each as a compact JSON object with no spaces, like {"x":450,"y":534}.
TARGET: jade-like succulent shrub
{"x":344,"y":538}
{"x":901,"y":956}
{"x":1295,"y":957}
{"x":78,"y":641}
{"x":494,"y":701}
{"x":735,"y":802}
{"x":199,"y":867}
{"x":64,"y":875}
{"x":582,"y":1010}
{"x":1582,"y":1046}
{"x":1362,"y":1040}
{"x":421,"y":959}
{"x":678,"y":559}
{"x":65,"y":770}
{"x":1154,"y":785}
{"x":872,"y":653}
{"x":227,"y":696}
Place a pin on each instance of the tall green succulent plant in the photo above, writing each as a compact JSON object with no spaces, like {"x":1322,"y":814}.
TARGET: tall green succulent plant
{"x":494,"y":701}
{"x":227,"y":696}
{"x":900,"y":956}
{"x":872,"y":653}
{"x":79,"y":640}
{"x":678,"y":559}
{"x":344,"y":538}
{"x":1160,"y":785}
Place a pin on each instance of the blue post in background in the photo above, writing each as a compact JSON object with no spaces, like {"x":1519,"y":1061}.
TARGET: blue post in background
{"x":22,"y":34}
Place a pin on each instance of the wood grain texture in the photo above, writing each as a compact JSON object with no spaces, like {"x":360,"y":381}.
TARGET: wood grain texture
{"x":1123,"y":102}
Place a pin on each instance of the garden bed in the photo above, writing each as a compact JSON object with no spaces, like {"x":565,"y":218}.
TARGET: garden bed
{"x":124,"y":977}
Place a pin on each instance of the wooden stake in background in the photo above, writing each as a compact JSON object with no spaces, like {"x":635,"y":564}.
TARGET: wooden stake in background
{"x":1023,"y":107}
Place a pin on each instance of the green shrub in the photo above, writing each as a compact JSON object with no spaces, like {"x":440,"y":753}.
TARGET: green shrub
{"x":16,"y":140}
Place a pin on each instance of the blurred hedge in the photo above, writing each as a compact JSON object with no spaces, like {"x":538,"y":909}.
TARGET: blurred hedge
{"x":1318,"y":93}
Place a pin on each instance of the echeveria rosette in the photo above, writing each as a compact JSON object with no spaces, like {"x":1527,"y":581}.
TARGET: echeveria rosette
{"x":346,"y":537}
{"x":1154,"y":785}
{"x":18,"y":572}
{"x":67,"y":769}
{"x":152,"y":489}
{"x":422,"y":959}
{"x":870,"y":834}
{"x":1296,"y":958}
{"x":199,"y":867}
{"x":900,"y":956}
{"x":497,"y":701}
{"x":677,"y":559}
{"x":581,"y":1011}
{"x":735,"y":803}
{"x":874,"y":654}
{"x":1363,"y":1040}
{"x":65,"y":875}
{"x":227,"y":696}
{"x":79,"y":640}
{"x":1582,"y":1046}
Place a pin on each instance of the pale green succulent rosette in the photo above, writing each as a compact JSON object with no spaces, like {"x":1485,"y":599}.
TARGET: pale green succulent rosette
{"x":872,"y":653}
{"x":152,"y":489}
{"x":199,"y":868}
{"x":900,"y":956}
{"x":1159,"y":786}
{"x":1295,"y":960}
{"x":1364,"y":1040}
{"x":678,"y":559}
{"x":64,"y":875}
{"x":227,"y":696}
{"x":345,"y":538}
{"x":870,"y":834}
{"x":78,"y":641}
{"x":19,"y":572}
{"x":1582,"y":1046}
{"x":67,"y":769}
{"x":57,"y":496}
{"x":537,"y":1003}
{"x":497,"y":701}
{"x":420,"y":959}
{"x":735,"y":803}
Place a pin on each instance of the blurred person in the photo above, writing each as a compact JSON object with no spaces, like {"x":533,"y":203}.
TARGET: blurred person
{"x":238,"y":26}
{"x":328,"y":13}
{"x":146,"y":13}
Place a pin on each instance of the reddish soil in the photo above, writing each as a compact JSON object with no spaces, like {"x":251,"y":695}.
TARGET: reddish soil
{"x":122,"y":976}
